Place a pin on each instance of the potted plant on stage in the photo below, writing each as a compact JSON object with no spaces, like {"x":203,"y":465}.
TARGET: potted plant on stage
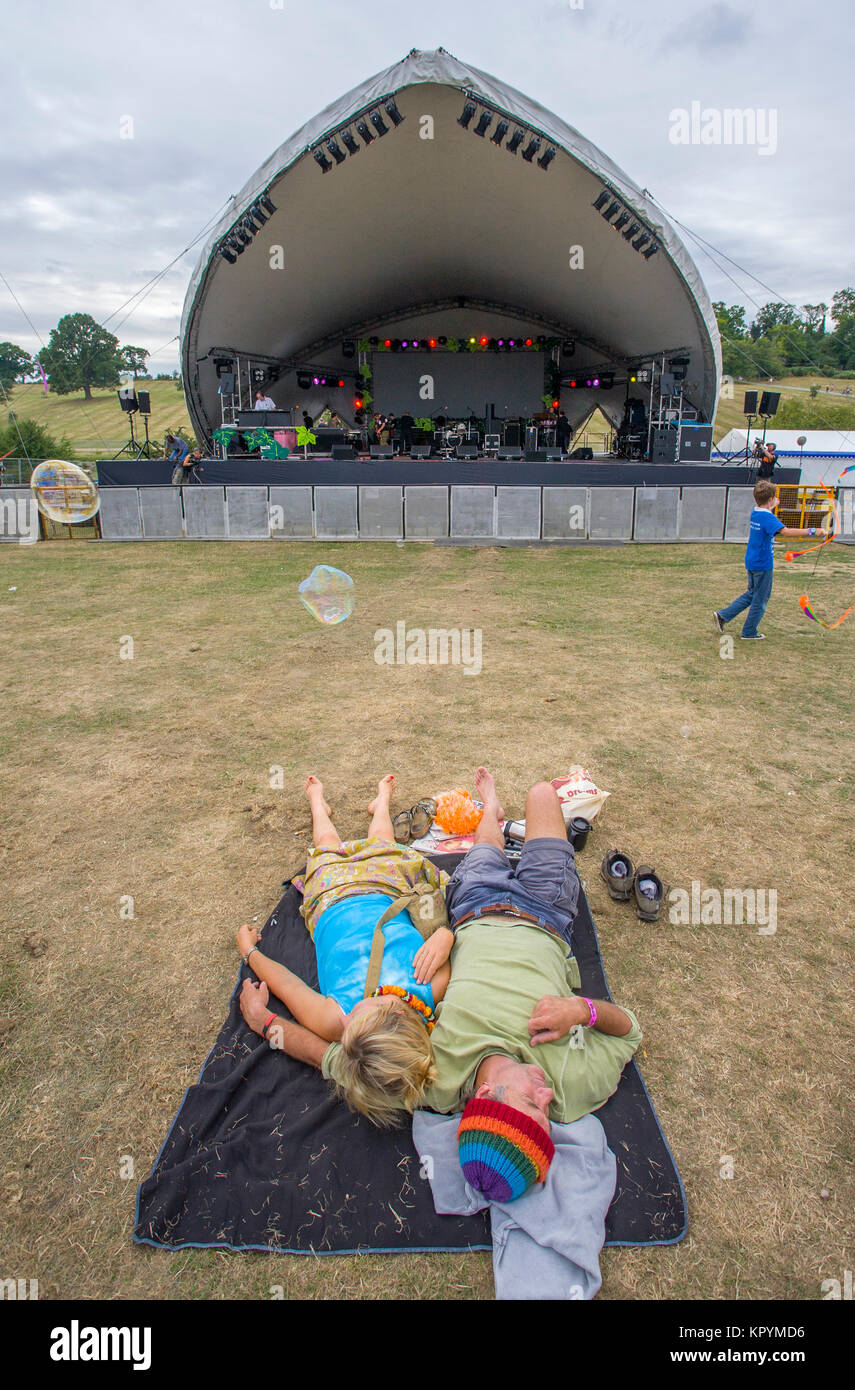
{"x":304,"y":439}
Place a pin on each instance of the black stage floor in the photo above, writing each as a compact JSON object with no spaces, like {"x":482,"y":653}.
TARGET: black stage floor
{"x":327,"y":472}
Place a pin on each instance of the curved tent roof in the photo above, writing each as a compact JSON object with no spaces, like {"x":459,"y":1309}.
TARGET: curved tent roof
{"x":429,"y":227}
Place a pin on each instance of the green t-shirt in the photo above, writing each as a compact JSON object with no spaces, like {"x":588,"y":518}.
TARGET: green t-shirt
{"x":499,"y":971}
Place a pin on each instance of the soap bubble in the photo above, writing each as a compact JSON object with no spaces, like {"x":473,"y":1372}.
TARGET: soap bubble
{"x":328,"y":594}
{"x":685,"y":731}
{"x":63,"y":492}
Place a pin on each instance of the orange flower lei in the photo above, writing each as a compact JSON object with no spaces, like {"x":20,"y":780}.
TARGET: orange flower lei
{"x":412,"y":999}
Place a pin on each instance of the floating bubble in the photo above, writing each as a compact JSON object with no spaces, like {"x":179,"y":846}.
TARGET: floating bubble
{"x":64,"y":492}
{"x":685,"y":731}
{"x":328,"y":594}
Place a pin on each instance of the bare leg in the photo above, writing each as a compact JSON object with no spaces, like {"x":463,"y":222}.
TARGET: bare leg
{"x":543,"y":815}
{"x":489,"y":830}
{"x":324,"y":833}
{"x":381,"y":819}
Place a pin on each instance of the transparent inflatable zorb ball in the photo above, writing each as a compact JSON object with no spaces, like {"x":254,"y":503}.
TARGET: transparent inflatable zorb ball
{"x":328,"y":594}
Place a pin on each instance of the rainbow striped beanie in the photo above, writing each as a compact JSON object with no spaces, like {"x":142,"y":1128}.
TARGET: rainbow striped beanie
{"x":502,"y":1150}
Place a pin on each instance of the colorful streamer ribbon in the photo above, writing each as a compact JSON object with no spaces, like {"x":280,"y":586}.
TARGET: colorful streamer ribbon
{"x":804,"y":604}
{"x":797,"y":554}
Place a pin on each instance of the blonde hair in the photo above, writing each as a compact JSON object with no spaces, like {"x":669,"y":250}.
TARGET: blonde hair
{"x":386,"y":1063}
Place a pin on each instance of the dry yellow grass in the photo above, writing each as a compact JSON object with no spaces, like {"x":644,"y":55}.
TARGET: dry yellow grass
{"x":149,"y":778}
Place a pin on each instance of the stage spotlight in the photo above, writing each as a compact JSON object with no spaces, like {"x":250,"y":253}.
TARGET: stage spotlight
{"x":374,"y":342}
{"x":341,"y":383}
{"x":363,"y":132}
{"x":223,"y":364}
{"x":443,"y":342}
{"x":473,"y":340}
{"x":378,"y":123}
{"x":336,"y":152}
{"x":512,"y":342}
{"x":242,"y":237}
{"x":468,"y":112}
{"x":639,"y":241}
{"x":500,"y":132}
{"x":483,"y":341}
{"x":316,"y":381}
{"x":572,"y":385}
{"x":304,"y":381}
{"x":348,"y":348}
{"x":589,"y":382}
{"x":541,"y":338}
{"x":396,"y":344}
{"x":322,"y":160}
{"x":633,"y":377}
{"x":228,"y":255}
{"x":405,"y":343}
{"x":600,"y":202}
{"x":348,"y":139}
{"x":528,"y":342}
{"x":484,"y":121}
{"x":431,"y":342}
{"x":621,"y":221}
{"x":267,"y":203}
{"x":555,"y":405}
{"x":568,"y":347}
{"x":358,"y":403}
{"x":387,"y":342}
{"x":632,"y":231}
{"x":547,"y":158}
{"x":414,"y":343}
{"x":501,"y":342}
{"x":610,"y":211}
{"x":392,"y":111}
{"x":531,"y":149}
{"x":607,"y":382}
{"x":596,"y":381}
{"x":651,"y":251}
{"x":254,"y":217}
{"x":493,"y":345}
{"x":515,"y":141}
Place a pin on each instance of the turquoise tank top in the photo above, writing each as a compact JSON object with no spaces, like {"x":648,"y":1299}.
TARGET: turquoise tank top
{"x":343,"y":936}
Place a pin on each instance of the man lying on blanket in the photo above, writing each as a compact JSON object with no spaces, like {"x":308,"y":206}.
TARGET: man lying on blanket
{"x":513,"y":1046}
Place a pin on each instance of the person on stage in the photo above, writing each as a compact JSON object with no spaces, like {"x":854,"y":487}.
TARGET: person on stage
{"x":263,"y":402}
{"x":406,"y":424}
{"x":563,"y":433}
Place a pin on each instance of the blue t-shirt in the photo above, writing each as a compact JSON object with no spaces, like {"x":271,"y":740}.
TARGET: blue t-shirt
{"x":343,"y":936}
{"x":764,"y":525}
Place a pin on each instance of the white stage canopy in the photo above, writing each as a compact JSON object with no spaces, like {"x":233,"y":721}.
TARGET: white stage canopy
{"x":431,"y":227}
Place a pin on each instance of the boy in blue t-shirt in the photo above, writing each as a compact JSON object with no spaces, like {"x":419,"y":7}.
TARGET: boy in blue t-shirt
{"x":758,"y":562}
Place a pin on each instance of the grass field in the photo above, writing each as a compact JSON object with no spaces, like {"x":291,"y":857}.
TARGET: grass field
{"x":97,"y":428}
{"x":149,"y":777}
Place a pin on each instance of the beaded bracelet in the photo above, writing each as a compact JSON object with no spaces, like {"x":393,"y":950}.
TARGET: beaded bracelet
{"x":592,"y":1020}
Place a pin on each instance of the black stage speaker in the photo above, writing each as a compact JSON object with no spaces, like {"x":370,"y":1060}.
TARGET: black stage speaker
{"x":227,"y":384}
{"x":695,"y":443}
{"x":663,"y":447}
{"x":343,"y":451}
{"x":467,"y":451}
{"x":510,"y":453}
{"x":512,"y":436}
{"x":420,"y":451}
{"x":543,"y":456}
{"x":769,"y":403}
{"x":749,"y":406}
{"x":582,"y":453}
{"x":381,"y":451}
{"x":144,"y":402}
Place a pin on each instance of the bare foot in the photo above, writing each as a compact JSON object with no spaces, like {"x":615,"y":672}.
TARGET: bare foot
{"x":486,"y":789}
{"x":314,"y":790}
{"x":385,"y":787}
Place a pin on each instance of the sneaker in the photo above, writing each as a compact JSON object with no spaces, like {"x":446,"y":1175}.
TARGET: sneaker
{"x":719,"y":625}
{"x":757,"y":637}
{"x":617,"y":873}
{"x":648,"y":892}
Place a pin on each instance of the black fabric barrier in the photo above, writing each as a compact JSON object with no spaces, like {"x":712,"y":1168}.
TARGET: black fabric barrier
{"x":262,"y":1156}
{"x":322,"y":472}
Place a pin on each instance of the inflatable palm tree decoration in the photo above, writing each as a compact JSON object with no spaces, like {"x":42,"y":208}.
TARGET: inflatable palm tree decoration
{"x":304,"y":439}
{"x":269,"y":447}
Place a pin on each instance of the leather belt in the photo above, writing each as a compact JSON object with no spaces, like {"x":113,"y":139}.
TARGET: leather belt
{"x":504,"y":910}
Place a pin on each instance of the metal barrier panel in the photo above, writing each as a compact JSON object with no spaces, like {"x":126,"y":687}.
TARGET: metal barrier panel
{"x":702,"y":513}
{"x":518,"y":513}
{"x":160,"y":509}
{"x":19,"y":516}
{"x":656,"y":513}
{"x":335,"y":513}
{"x":610,"y":513}
{"x":472,"y":510}
{"x":120,"y":514}
{"x":381,"y":513}
{"x":426,"y":512}
{"x":565,"y":513}
{"x":740,"y":505}
{"x":205,"y":513}
{"x":846,"y":514}
{"x":248,"y":515}
{"x":291,"y":513}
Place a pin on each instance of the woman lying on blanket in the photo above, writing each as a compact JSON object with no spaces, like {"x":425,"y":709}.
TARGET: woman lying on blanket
{"x":387,"y":1060}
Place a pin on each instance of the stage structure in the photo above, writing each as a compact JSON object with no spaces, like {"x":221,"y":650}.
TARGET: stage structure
{"x":438,"y":244}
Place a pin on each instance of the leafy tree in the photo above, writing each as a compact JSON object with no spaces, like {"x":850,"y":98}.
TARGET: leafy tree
{"x":814,"y":317}
{"x":731,"y":320}
{"x":81,"y":354}
{"x":15,"y":364}
{"x":843,"y":305}
{"x":771,"y":317}
{"x":38,"y":443}
{"x":132,"y":359}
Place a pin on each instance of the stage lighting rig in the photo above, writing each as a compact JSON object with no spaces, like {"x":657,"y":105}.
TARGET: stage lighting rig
{"x":378,"y":123}
{"x":600,"y":202}
{"x":364,"y":133}
{"x":324,"y":163}
{"x":467,"y":113}
{"x":547,"y":158}
{"x":621,"y":221}
{"x":500,"y":132}
{"x":484,"y":121}
{"x":392,"y":111}
{"x":348,"y":139}
{"x":531,"y":149}
{"x":337,"y":154}
{"x":515,"y":141}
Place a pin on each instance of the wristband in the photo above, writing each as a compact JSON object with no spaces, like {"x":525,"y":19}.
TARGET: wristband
{"x":270,"y":1020}
{"x":245,"y":958}
{"x":592,"y":1020}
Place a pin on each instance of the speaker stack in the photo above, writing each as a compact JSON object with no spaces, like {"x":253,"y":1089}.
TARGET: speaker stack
{"x":769,"y":403}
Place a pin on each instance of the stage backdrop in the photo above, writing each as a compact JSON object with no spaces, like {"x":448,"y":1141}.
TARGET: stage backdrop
{"x":464,"y":383}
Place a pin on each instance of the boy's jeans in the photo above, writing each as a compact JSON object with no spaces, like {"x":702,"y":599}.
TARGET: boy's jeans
{"x":755,"y":598}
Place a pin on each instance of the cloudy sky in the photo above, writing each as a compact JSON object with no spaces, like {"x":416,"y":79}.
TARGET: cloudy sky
{"x":212,"y":87}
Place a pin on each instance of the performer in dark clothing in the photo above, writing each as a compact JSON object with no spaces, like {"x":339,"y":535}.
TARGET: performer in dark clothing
{"x":563,"y":433}
{"x":406,"y":425}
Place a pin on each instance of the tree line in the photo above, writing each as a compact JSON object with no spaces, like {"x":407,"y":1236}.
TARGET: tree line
{"x":816,"y":340}
{"x":80,"y":354}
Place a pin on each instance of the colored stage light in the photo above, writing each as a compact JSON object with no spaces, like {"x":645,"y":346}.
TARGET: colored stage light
{"x":555,"y":405}
{"x":528,"y":342}
{"x":363,"y":132}
{"x":573,"y":384}
{"x":483,"y":341}
{"x":414,"y":343}
{"x":358,"y":403}
{"x":468,"y":112}
{"x":501,"y":342}
{"x":547,"y":158}
{"x":405,"y":342}
{"x":322,"y":160}
{"x":392,"y":111}
{"x":633,"y":377}
{"x":621,"y":221}
{"x":500,"y":132}
{"x":484,"y":121}
{"x":378,"y":123}
{"x":432,"y":342}
{"x":341,"y":383}
{"x":515,"y":141}
{"x":336,"y":152}
{"x":596,"y":381}
{"x":650,"y":251}
{"x":531,"y":149}
{"x":600,"y":202}
{"x":512,"y":342}
{"x":348,"y":139}
{"x":472,"y":340}
{"x":316,"y":381}
{"x":387,"y":342}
